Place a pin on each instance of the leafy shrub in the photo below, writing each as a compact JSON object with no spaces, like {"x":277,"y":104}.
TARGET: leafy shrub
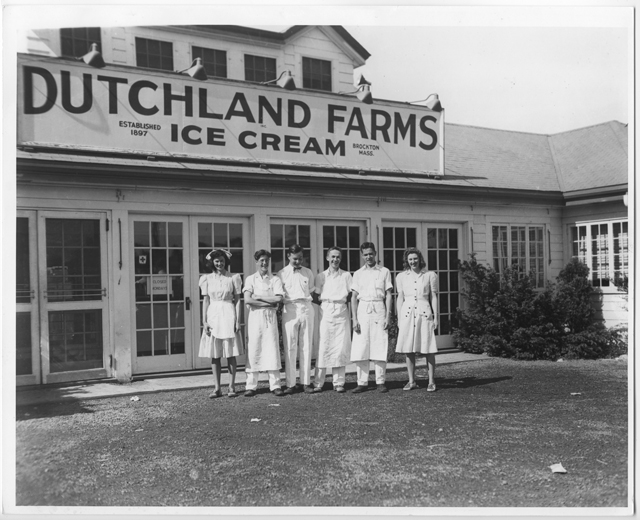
{"x":507,"y":316}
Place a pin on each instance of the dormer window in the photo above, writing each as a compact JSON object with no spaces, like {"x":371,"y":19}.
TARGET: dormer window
{"x":316,"y":74}
{"x":154,"y":54}
{"x":213,"y":61}
{"x":76,"y":42}
{"x":259,"y":68}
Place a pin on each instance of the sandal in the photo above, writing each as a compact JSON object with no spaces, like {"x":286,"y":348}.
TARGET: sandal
{"x":431,"y":387}
{"x":410,"y":386}
{"x":215,"y":393}
{"x":232,"y":393}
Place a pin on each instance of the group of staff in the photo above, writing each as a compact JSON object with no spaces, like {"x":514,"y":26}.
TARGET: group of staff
{"x":369,"y":291}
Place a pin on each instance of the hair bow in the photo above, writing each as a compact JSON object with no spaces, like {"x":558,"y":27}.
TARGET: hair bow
{"x":223,"y":251}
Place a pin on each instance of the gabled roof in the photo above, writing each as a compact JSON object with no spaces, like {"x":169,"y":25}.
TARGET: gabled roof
{"x":283,"y":36}
{"x":582,"y":159}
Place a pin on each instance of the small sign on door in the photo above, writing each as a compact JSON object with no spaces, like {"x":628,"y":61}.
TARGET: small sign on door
{"x":160,"y":286}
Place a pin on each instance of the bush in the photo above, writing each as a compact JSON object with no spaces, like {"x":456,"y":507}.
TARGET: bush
{"x":506,"y":316}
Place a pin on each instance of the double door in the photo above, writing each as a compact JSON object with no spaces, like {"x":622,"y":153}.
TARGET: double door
{"x":441,"y":246}
{"x":62,"y":318}
{"x":168,"y":261}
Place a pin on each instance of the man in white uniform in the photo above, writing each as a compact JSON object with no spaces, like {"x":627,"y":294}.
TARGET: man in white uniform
{"x":333,"y":288}
{"x":297,"y":319}
{"x":371,"y":313}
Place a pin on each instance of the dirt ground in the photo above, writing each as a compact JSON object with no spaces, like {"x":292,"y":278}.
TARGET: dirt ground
{"x":486,"y":438}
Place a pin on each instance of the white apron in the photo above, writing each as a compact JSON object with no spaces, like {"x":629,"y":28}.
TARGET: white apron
{"x":373,"y":340}
{"x":334,"y":347}
{"x":263,"y":344}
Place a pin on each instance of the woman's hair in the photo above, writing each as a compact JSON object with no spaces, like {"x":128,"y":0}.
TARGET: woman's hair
{"x":216,"y":253}
{"x":413,"y":251}
{"x":261,"y":252}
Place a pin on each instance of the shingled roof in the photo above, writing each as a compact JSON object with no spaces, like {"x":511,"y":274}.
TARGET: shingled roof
{"x":580,"y":159}
{"x":591,"y":157}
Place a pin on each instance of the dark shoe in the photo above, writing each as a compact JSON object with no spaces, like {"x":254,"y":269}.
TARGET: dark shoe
{"x":317,"y":389}
{"x":359,"y":389}
{"x":278,"y":392}
{"x":340,"y":389}
{"x":298,"y":387}
{"x":308,"y":389}
{"x":289,"y":391}
{"x":382,"y":389}
{"x":250,"y":393}
{"x":215,"y":393}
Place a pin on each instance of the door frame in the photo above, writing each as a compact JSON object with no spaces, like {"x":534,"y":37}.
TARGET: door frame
{"x":194,"y":289}
{"x":154,"y":366}
{"x":442,"y":341}
{"x":45,"y":306}
{"x":33,"y":307}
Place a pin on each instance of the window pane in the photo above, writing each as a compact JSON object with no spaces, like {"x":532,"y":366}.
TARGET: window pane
{"x":77,"y":340}
{"x":23,"y":343}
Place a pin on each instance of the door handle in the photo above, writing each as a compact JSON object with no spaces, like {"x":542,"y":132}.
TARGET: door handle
{"x":187,"y":303}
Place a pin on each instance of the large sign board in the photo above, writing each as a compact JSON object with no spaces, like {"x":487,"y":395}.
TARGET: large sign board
{"x":62,"y":103}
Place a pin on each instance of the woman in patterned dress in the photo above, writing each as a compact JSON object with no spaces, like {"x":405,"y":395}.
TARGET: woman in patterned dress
{"x":417,"y":311}
{"x":221,"y":319}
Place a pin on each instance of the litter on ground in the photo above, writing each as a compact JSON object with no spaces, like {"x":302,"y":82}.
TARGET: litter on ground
{"x":134,"y":398}
{"x":557,"y":468}
{"x":256,"y":420}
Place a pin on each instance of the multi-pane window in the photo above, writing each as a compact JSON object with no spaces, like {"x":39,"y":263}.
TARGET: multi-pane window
{"x":259,"y":68}
{"x":214,"y":61}
{"x":604,"y":247}
{"x":285,"y":235}
{"x":316,"y":74}
{"x":346,"y":238}
{"x":76,"y":41}
{"x":394,"y":242}
{"x":521,"y":246}
{"x":154,"y":54}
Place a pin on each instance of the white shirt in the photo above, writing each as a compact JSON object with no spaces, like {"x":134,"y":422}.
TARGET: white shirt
{"x":268,"y":285}
{"x":333,"y":286}
{"x":371,"y":283}
{"x":298,"y":283}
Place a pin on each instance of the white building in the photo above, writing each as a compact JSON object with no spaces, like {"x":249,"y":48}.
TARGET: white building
{"x":128,"y":174}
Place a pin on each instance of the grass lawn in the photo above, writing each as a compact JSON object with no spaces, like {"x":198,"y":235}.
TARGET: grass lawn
{"x":486,"y":438}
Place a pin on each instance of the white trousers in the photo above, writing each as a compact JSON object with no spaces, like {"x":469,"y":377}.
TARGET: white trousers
{"x":274,"y":380}
{"x":297,"y":336}
{"x":362,"y":372}
{"x":321,"y":376}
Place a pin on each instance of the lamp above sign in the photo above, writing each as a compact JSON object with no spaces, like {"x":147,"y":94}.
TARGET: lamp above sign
{"x":62,"y":103}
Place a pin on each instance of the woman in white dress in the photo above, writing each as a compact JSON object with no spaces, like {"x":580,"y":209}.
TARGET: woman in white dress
{"x":417,"y":311}
{"x":221,"y":319}
{"x":263,"y":292}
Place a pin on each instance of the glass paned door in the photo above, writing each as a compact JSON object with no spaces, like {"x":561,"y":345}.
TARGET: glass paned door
{"x":227,"y":233}
{"x":161,"y":301}
{"x":287,"y":233}
{"x":347,"y":236}
{"x":74,"y":299}
{"x":443,"y":252}
{"x":441,"y":247}
{"x":27,"y":320}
